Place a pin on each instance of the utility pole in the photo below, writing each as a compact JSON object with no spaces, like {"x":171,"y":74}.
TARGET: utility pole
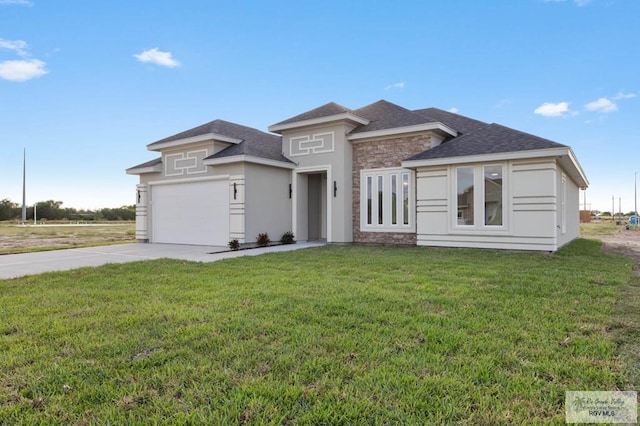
{"x":635,"y":196}
{"x":620,"y":209}
{"x":24,"y":185}
{"x":613,"y":208}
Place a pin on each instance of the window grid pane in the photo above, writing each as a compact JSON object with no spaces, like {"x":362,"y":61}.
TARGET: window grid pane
{"x":465,"y":195}
{"x":405,"y":198}
{"x":394,"y":199}
{"x":369,"y":200}
{"x":380,"y":200}
{"x":493,"y":196}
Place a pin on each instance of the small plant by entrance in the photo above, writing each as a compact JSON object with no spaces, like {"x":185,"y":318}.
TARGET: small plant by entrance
{"x":287,"y":238}
{"x":234,"y":244}
{"x":263,"y":239}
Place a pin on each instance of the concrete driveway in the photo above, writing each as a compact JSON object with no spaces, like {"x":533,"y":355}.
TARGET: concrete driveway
{"x":17,"y":265}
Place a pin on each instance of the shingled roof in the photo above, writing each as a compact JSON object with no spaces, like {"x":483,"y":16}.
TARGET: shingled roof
{"x":268,"y":148}
{"x":325,"y":110}
{"x":218,"y":127}
{"x":252,"y":141}
{"x":490,"y":139}
{"x":475,"y":137}
{"x":458,"y":122}
{"x":386,"y":115}
{"x":149,"y":163}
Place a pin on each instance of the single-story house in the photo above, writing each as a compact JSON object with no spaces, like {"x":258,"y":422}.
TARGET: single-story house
{"x":376,"y":174}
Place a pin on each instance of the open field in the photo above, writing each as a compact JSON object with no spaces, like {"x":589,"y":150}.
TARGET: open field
{"x":334,"y":335}
{"x":595,"y":229}
{"x":21,"y":239}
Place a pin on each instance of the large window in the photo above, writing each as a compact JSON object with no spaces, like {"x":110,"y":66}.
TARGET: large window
{"x":479,"y":196}
{"x":387,"y":200}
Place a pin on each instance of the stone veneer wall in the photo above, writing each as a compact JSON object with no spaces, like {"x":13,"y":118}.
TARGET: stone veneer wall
{"x":376,"y":154}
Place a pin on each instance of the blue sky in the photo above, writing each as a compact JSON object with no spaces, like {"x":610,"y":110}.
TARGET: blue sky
{"x":85,"y":86}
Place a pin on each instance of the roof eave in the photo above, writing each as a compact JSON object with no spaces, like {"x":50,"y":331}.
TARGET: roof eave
{"x":434,"y":126}
{"x":565,"y":156}
{"x":243,"y":158}
{"x":574,"y":169}
{"x":345,"y":116}
{"x":159,"y":146}
{"x":143,"y":170}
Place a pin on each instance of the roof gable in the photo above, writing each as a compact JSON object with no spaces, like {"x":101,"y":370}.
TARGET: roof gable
{"x":325,"y":110}
{"x":243,"y":140}
{"x":386,"y":115}
{"x":232,"y":132}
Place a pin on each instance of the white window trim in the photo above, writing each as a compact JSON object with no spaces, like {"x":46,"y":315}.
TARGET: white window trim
{"x":386,"y":173}
{"x":478,"y":200}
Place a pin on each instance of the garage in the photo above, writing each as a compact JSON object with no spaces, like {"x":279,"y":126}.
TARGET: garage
{"x":190,"y":213}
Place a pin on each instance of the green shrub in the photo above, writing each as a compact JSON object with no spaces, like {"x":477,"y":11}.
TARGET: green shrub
{"x":234,"y":244}
{"x":287,"y":238}
{"x":263,"y":239}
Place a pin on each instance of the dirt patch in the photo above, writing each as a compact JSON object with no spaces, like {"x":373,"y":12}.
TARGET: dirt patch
{"x":625,"y":242}
{"x":17,"y":239}
{"x":14,"y":242}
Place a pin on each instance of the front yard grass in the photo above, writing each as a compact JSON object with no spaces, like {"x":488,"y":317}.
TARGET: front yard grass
{"x":332,"y":335}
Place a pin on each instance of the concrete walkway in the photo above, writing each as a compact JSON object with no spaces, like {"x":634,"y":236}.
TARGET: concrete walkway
{"x":17,"y":265}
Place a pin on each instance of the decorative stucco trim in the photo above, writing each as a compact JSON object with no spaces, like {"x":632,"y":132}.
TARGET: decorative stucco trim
{"x":248,"y":159}
{"x":185,"y":163}
{"x":437,"y":126}
{"x":159,"y":146}
{"x":345,"y":116}
{"x":315,"y":143}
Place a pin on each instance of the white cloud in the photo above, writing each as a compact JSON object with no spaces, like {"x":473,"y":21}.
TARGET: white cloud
{"x":622,"y":95}
{"x":453,"y":110}
{"x":158,"y":57}
{"x":22,"y":2}
{"x":602,"y":105}
{"x":18,"y":46}
{"x":398,"y":85}
{"x":22,"y":70}
{"x":550,"y":109}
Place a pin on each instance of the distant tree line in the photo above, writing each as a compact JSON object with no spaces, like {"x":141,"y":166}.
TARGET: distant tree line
{"x":53,"y":210}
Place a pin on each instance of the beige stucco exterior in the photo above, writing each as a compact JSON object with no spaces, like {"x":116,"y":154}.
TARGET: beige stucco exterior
{"x":267,"y":205}
{"x":532,"y":213}
{"x":321,"y":150}
{"x":317,"y":189}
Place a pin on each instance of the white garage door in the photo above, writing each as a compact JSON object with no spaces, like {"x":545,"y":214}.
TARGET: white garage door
{"x":190,"y":213}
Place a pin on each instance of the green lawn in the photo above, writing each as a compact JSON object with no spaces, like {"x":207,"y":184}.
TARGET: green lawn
{"x":333,"y":335}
